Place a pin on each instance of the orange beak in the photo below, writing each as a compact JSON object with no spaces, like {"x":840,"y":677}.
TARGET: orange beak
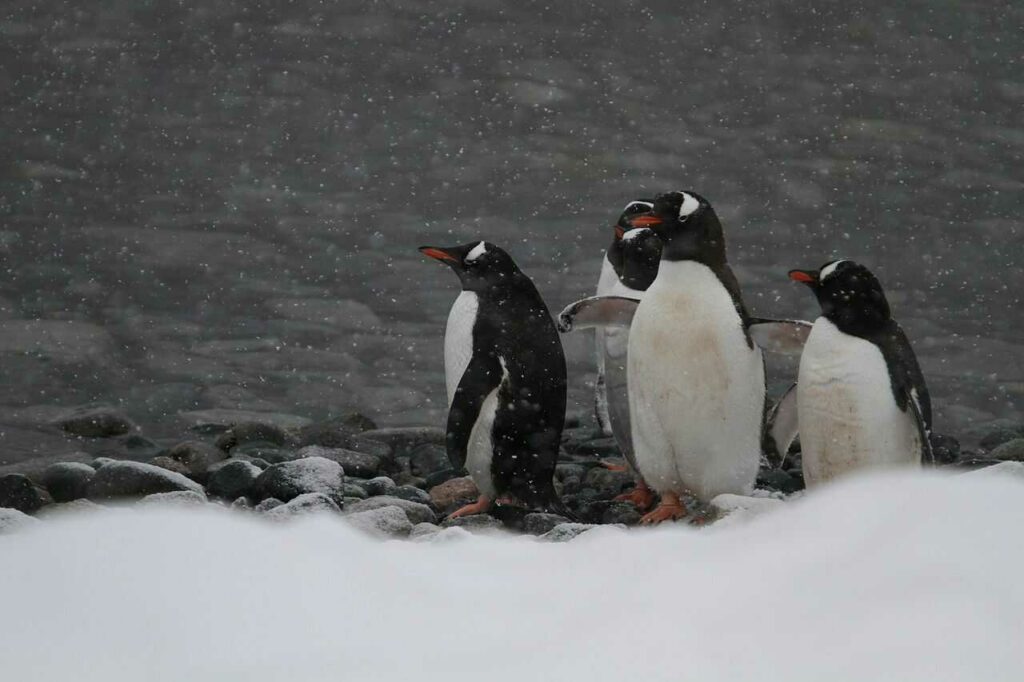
{"x":802,"y":276}
{"x":646,"y":221}
{"x":438,"y":254}
{"x":619,"y":232}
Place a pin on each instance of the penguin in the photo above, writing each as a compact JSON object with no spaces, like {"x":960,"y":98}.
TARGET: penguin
{"x":638,"y":251}
{"x":611,"y":269}
{"x":695,"y":366}
{"x":862,"y":401}
{"x":506,"y":378}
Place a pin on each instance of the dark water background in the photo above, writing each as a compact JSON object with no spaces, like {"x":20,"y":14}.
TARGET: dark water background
{"x":217,"y":204}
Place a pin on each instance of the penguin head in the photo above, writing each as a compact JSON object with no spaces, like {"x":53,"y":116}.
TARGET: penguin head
{"x":622,"y":225}
{"x":688,"y":227}
{"x":641,"y":253}
{"x":849,"y":294}
{"x":479,"y":265}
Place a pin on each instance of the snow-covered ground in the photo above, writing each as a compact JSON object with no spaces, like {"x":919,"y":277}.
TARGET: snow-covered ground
{"x":898,"y":577}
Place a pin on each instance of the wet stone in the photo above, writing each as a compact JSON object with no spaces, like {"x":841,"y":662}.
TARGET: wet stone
{"x":232,"y":478}
{"x":474,"y":523}
{"x":268,"y":504}
{"x":288,"y":480}
{"x":945,"y":449}
{"x":566,"y":531}
{"x":19,"y":492}
{"x":380,"y":485}
{"x":623,"y":513}
{"x":67,"y":481}
{"x":96,"y":422}
{"x":353,"y":491}
{"x":359,"y":464}
{"x":417,"y":513}
{"x":165,"y":462}
{"x":539,"y":523}
{"x":608,"y":483}
{"x":265,"y":452}
{"x":428,"y":458}
{"x":251,"y":432}
{"x":438,"y":477}
{"x":997,"y":437}
{"x":307,"y":503}
{"x":403,"y":439}
{"x":179,"y":498}
{"x":1011,"y":450}
{"x":411,"y":493}
{"x":387,"y":521}
{"x":457,"y":490}
{"x":197,"y":456}
{"x":135,"y":479}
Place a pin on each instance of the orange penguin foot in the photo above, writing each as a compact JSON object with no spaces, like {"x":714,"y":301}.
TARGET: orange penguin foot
{"x":482,"y":504}
{"x":670,"y":509}
{"x":641,"y":496}
{"x":610,"y":466}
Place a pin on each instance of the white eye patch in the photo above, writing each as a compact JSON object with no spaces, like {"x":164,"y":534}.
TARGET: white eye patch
{"x":829,"y":269}
{"x":477,"y":251}
{"x":690,"y":204}
{"x":630,"y":235}
{"x":646,"y":205}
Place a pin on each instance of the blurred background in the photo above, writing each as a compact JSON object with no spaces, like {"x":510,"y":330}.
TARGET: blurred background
{"x":217,"y":205}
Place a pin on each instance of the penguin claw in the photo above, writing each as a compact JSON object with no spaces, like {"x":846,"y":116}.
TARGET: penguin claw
{"x":611,"y":466}
{"x":666,"y":511}
{"x":641,"y":496}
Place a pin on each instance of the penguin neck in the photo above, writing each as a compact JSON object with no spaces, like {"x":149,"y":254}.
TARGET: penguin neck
{"x":864,"y":326}
{"x":615,"y":256}
{"x":686,"y":247}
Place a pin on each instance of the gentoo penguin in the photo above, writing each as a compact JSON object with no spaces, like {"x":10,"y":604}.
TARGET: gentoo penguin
{"x":638,"y":251}
{"x":611,"y":269}
{"x":506,"y":380}
{"x":861,"y":398}
{"x":695,"y":368}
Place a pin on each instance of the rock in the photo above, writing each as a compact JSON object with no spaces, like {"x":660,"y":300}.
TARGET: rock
{"x":307,"y":503}
{"x":475,"y":523}
{"x":268,"y":504}
{"x":358,"y":421}
{"x":601,"y":447}
{"x":945,"y":449}
{"x":412,"y":493}
{"x":417,"y":513}
{"x":249,"y":432}
{"x":218,"y":420}
{"x":165,"y":462}
{"x":96,"y":422}
{"x":135,"y":479}
{"x":1011,"y":450}
{"x":381,"y":485}
{"x":179,"y":498}
{"x":438,"y":477}
{"x":288,"y":480}
{"x":197,"y":456}
{"x":423,"y":530}
{"x":453,"y":491}
{"x":73,"y":507}
{"x":403,"y":439}
{"x":608,"y":483}
{"x":19,"y":492}
{"x":243,"y":504}
{"x":262,"y":451}
{"x":232,"y":478}
{"x":539,"y":523}
{"x":777,"y":479}
{"x":333,"y":433}
{"x":428,"y":458}
{"x":13,"y":520}
{"x":67,"y":481}
{"x":351,"y":490}
{"x":564,"y":532}
{"x":1000,"y":435}
{"x":385,"y":521}
{"x":359,"y":464}
{"x":371,"y":447}
{"x":622,"y":513}
{"x":407,"y":479}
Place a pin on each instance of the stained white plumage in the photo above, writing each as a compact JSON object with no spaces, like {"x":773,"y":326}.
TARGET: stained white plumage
{"x":849,"y":419}
{"x":696,"y":389}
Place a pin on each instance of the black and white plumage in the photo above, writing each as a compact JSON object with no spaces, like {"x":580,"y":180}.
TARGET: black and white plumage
{"x":862,"y":399}
{"x":609,"y":284}
{"x":506,"y":378}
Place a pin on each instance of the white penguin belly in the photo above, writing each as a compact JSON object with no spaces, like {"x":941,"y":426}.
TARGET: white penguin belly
{"x":849,"y":419}
{"x":458,"y":340}
{"x":481,"y":446}
{"x":696,"y":389}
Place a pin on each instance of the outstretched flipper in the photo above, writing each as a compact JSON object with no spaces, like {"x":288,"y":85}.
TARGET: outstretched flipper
{"x":597,"y":311}
{"x":781,"y":427}
{"x":482,"y":375}
{"x":779,"y":336}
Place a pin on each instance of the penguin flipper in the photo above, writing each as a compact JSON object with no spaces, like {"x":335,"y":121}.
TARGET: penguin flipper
{"x":482,"y":375}
{"x":779,"y":336}
{"x":597,"y":311}
{"x":782,"y":426}
{"x":927,"y":456}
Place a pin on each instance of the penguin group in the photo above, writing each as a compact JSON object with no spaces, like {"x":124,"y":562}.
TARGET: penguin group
{"x":681,"y":370}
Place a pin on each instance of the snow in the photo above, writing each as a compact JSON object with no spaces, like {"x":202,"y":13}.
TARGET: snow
{"x":889,"y":577}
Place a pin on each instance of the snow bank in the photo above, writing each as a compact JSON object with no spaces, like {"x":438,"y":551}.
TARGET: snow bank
{"x":901,"y":577}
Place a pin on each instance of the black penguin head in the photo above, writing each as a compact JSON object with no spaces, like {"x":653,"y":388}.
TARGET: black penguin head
{"x":641,"y":253}
{"x":688,"y":227}
{"x":479,"y":265}
{"x":633,"y":209}
{"x":849,"y":295}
